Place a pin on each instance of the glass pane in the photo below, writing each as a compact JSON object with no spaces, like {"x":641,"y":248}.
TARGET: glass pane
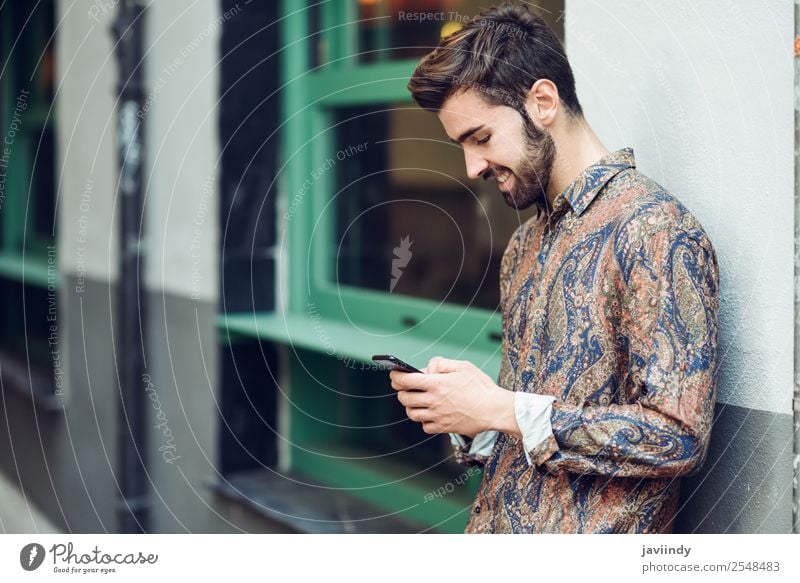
{"x":406,"y":29}
{"x":35,"y":51}
{"x":408,"y":220}
{"x":28,"y":93}
{"x":43,"y":211}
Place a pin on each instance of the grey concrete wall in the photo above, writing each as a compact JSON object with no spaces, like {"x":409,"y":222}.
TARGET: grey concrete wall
{"x":66,"y":462}
{"x":703,"y":93}
{"x":746,"y":483}
{"x":184,"y":417}
{"x":18,"y":514}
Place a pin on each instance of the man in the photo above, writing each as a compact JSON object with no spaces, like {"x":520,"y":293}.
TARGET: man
{"x":609,"y":299}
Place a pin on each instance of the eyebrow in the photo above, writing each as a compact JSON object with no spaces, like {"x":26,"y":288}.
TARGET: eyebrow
{"x":467,"y":134}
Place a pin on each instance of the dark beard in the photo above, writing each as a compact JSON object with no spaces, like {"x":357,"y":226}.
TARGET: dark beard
{"x":532,"y":178}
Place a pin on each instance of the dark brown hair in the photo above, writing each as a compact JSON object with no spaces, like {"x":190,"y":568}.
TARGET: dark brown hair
{"x":501,"y":53}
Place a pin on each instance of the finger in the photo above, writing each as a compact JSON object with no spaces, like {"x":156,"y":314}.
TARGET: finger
{"x":408,"y":380}
{"x":402,"y":396}
{"x":431,"y":427}
{"x":412,"y":398}
{"x":418,"y":414}
{"x":444,"y":365}
{"x":433,"y":365}
{"x":398,"y":383}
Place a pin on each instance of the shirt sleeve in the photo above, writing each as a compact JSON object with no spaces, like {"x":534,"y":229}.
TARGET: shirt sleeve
{"x":476,"y":452}
{"x":668,"y":334}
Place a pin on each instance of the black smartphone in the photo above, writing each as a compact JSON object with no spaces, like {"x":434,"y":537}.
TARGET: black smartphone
{"x":394,"y":363}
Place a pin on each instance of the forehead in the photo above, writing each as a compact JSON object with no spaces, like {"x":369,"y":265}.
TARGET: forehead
{"x":468,"y":109}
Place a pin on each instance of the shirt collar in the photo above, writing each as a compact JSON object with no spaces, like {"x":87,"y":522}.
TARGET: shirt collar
{"x":591,"y":181}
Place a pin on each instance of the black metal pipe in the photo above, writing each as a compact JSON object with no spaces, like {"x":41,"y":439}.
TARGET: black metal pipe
{"x":134,"y":504}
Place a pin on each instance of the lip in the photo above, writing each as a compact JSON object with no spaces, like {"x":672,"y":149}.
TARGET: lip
{"x":506,"y":186}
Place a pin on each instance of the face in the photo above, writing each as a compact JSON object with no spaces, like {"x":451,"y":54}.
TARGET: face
{"x":500,"y":144}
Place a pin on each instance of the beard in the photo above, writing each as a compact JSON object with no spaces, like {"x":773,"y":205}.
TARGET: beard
{"x":533,"y":176}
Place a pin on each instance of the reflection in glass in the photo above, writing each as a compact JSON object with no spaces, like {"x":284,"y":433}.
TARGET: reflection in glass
{"x":408,"y":219}
{"x":406,"y":29}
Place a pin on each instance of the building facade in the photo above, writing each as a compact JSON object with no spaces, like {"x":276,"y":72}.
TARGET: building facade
{"x":302,"y":214}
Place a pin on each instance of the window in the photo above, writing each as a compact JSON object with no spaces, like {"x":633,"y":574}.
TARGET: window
{"x":408,"y":222}
{"x":27,"y":158}
{"x":248,"y":123}
{"x":29,"y":350}
{"x":385,"y":246}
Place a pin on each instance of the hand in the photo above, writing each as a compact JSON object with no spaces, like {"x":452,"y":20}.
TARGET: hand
{"x":453,"y":396}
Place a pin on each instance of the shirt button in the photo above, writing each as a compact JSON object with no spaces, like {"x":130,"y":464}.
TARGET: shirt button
{"x":477,"y":509}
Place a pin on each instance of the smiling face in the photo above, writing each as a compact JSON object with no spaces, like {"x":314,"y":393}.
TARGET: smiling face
{"x":500,"y":143}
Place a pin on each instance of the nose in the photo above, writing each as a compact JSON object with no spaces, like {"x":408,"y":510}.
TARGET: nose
{"x":475,"y":164}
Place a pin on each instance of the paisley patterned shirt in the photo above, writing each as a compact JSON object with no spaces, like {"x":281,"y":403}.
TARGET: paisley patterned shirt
{"x":609,"y":305}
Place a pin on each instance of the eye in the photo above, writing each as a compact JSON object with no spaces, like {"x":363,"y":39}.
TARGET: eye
{"x":484,"y":140}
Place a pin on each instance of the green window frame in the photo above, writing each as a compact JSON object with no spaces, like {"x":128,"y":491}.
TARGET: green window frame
{"x":349,"y":314}
{"x":311,"y":97}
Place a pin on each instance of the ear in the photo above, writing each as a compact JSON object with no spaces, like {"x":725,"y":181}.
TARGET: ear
{"x":543,"y":102}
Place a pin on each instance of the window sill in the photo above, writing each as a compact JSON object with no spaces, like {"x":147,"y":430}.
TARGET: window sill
{"x":346,"y":341}
{"x":364,"y":83}
{"x":32,"y":384}
{"x":438,"y":499}
{"x":28,"y":270}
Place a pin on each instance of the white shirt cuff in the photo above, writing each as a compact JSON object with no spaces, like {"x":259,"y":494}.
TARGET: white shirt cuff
{"x":532,"y":412}
{"x":482,"y":443}
{"x":457,"y":440}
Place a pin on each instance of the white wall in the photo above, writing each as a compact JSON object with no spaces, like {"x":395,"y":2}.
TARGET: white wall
{"x":86,"y":74}
{"x":183,"y":147}
{"x":703,"y":92}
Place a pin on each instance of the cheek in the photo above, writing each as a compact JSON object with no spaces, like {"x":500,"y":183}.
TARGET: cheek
{"x":509,"y":155}
{"x":508,"y":147}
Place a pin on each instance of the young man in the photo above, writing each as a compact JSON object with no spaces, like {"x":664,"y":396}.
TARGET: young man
{"x":609,"y":299}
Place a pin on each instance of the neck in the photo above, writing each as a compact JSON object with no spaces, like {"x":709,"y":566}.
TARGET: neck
{"x":577,"y":148}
